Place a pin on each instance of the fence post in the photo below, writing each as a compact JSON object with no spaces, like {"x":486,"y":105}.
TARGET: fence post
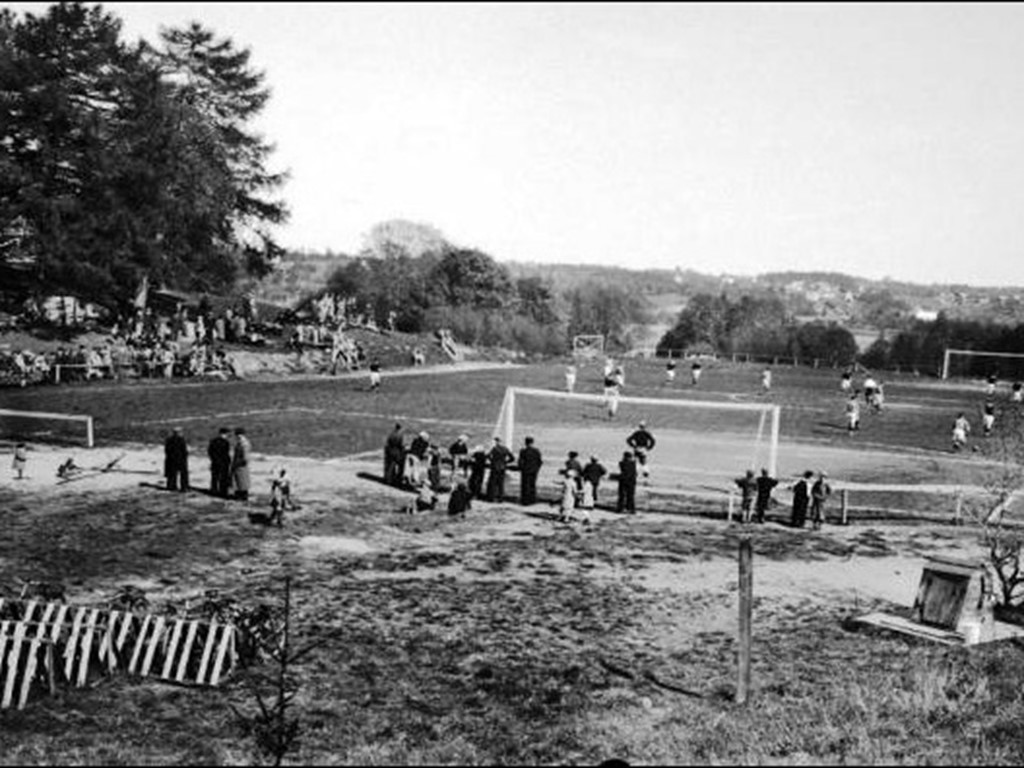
{"x":958,"y":512}
{"x":845,"y":506}
{"x":746,"y":588}
{"x":728,"y":514}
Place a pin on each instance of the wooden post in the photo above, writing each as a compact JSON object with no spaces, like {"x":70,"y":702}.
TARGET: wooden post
{"x":746,"y":587}
{"x":728,"y":514}
{"x":959,"y":511}
{"x":845,"y":505}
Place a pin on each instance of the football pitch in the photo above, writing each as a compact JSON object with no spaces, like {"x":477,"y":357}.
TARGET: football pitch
{"x":899,"y":460}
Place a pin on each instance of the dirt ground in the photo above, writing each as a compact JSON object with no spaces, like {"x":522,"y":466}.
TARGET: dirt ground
{"x":502,"y":637}
{"x":887,"y":571}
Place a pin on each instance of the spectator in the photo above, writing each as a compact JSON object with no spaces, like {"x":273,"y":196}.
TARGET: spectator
{"x":176,"y":461}
{"x":820,"y":492}
{"x":240,"y":473}
{"x":499,"y":459}
{"x":219,"y":451}
{"x":765,"y":485}
{"x":530,"y":462}
{"x":627,"y":484}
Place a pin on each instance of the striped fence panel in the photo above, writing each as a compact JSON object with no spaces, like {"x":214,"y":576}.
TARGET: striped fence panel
{"x":76,"y":644}
{"x":26,"y":663}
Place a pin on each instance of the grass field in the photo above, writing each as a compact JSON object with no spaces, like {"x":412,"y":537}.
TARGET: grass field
{"x":507,"y":638}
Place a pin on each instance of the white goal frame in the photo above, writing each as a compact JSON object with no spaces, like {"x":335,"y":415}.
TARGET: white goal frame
{"x":505,"y":426}
{"x":87,"y":420}
{"x":588,"y":345}
{"x":947,"y":355}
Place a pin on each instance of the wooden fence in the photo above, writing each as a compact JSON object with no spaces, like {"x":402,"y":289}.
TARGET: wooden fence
{"x":43,"y":643}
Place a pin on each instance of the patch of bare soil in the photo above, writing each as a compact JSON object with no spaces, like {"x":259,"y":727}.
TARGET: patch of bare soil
{"x":501,"y":637}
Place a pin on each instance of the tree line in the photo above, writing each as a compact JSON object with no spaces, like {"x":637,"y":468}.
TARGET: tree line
{"x":410,"y":276}
{"x":122,"y":160}
{"x":755,"y":325}
{"x":921,"y":347}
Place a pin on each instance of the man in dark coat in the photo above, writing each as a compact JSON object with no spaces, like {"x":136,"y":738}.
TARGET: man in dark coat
{"x":765,"y":485}
{"x":801,"y":499}
{"x":499,"y":457}
{"x":459,"y":454}
{"x":529,"y":463}
{"x":477,"y":471}
{"x":176,"y":461}
{"x":627,"y":484}
{"x":592,"y":474}
{"x":394,"y":456}
{"x":219,"y":451}
{"x":748,"y":486}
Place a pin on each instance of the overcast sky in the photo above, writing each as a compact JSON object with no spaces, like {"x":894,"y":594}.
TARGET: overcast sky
{"x":876,"y":140}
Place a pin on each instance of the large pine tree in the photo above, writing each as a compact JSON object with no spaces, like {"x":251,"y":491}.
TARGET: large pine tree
{"x":118,"y":161}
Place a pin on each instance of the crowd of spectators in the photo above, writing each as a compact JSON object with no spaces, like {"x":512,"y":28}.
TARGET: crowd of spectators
{"x":148,"y":345}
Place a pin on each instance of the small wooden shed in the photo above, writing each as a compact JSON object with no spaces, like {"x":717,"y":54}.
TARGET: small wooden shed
{"x":953,"y":605}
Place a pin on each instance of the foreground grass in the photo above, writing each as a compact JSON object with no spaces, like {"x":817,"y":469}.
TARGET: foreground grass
{"x":539,"y":646}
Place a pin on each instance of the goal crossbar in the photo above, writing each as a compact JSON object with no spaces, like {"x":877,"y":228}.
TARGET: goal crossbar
{"x":87,"y":420}
{"x":506,"y":418}
{"x":974,"y":353}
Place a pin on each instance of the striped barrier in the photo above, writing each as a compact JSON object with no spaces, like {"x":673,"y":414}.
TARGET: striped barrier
{"x":77,"y":644}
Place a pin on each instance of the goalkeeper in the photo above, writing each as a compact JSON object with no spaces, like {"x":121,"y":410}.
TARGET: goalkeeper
{"x":642,"y":442}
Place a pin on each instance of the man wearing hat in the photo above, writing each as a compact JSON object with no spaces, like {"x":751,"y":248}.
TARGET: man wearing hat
{"x":176,"y":461}
{"x":219,"y":451}
{"x":459,"y":453}
{"x":499,"y":458}
{"x":529,"y":464}
{"x":820,"y":492}
{"x":394,"y":456}
{"x":592,"y":474}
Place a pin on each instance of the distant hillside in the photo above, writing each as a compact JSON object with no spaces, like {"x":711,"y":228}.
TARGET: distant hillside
{"x":828,"y":296}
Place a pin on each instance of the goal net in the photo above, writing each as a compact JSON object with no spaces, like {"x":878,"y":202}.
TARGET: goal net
{"x":588,"y":346}
{"x":35,"y":426}
{"x":971,"y":364}
{"x":701,"y":446}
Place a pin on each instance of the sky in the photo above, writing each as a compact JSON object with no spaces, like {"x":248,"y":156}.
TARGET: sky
{"x":878,"y":140}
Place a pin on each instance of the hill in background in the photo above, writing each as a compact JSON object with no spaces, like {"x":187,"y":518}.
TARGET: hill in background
{"x":865,"y":306}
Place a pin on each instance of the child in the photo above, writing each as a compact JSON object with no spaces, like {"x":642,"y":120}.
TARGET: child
{"x":280,"y":497}
{"x":20,"y":459}
{"x":570,"y":378}
{"x":425,"y":501}
{"x":567,"y":503}
{"x":748,"y":487}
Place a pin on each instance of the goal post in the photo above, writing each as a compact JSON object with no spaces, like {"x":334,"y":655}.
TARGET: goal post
{"x":1011,"y":363}
{"x":696,"y":439}
{"x":41,"y":426}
